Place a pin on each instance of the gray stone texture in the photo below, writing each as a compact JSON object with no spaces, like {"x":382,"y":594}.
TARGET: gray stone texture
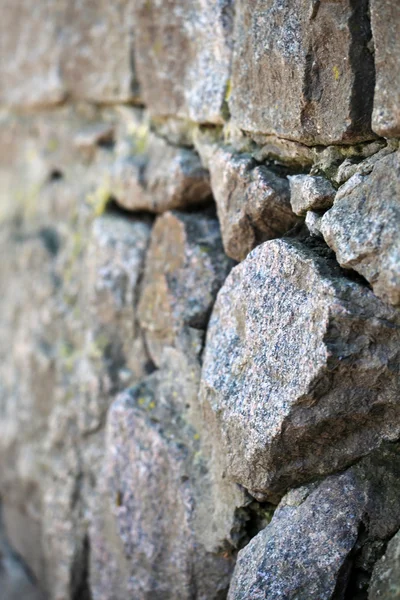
{"x":301,"y":368}
{"x":310,"y":192}
{"x":183,"y":54}
{"x":253,"y":202}
{"x":113,"y":355}
{"x":363,"y":226}
{"x":156,"y":401}
{"x":63,"y":281}
{"x":97,"y":62}
{"x":185,"y":267}
{"x":385,"y":20}
{"x":52,"y":50}
{"x":317,"y":534}
{"x":385,"y":581}
{"x":156,"y":176}
{"x":165,"y":524}
{"x":303,"y":70}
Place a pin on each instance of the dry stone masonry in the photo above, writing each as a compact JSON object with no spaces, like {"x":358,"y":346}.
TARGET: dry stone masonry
{"x":200,"y":300}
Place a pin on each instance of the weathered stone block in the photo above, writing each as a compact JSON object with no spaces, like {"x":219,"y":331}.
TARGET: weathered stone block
{"x":252,"y":202}
{"x":307,"y":551}
{"x":363,"y":225}
{"x":301,"y":368}
{"x":30,"y":71}
{"x":385,"y":19}
{"x":185,"y":267}
{"x":182,"y":54}
{"x":51,"y":50}
{"x":97,"y":61}
{"x":161,"y":178}
{"x":302,"y":70}
{"x":310,"y":192}
{"x":158,"y":530}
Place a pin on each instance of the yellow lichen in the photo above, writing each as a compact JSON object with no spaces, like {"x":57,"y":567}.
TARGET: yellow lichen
{"x":100,"y":198}
{"x":228,"y":90}
{"x":336,"y":72}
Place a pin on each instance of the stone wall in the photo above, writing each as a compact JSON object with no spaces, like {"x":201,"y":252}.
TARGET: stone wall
{"x":200,"y":292}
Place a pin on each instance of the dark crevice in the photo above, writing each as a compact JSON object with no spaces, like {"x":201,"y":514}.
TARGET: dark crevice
{"x":80,"y":580}
{"x":113,"y":208}
{"x":50,"y":239}
{"x":250,"y":520}
{"x":56,"y":175}
{"x":355,"y":575}
{"x":363,"y":65}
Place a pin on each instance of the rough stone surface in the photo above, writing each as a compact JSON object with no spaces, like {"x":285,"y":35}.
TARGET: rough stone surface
{"x":385,"y":582}
{"x":185,"y":267}
{"x":310,"y":192}
{"x":300,"y":368}
{"x":161,"y":530}
{"x":183,"y":54}
{"x":84,"y":50}
{"x":114,"y":356}
{"x":252,"y":202}
{"x":307,"y":551}
{"x":57,"y":303}
{"x":162,"y":177}
{"x":385,"y":20}
{"x":313,"y":223}
{"x":303,"y":70}
{"x":16,"y":581}
{"x":155,"y":405}
{"x":97,"y":61}
{"x":362,"y":227}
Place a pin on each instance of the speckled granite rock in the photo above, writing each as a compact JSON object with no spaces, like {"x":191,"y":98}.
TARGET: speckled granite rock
{"x":363,"y":225}
{"x":185,"y":267}
{"x":164,"y":528}
{"x":318,"y":534}
{"x":300,"y":368}
{"x":162,"y":177}
{"x":113,"y":353}
{"x":303,"y":70}
{"x":385,"y":582}
{"x":385,"y":19}
{"x":183,"y":53}
{"x":252,"y":202}
{"x":310,"y":192}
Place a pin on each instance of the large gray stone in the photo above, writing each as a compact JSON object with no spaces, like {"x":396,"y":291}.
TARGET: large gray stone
{"x":165,"y":525}
{"x":252,"y":202}
{"x":385,"y":19}
{"x":158,"y":176}
{"x":97,"y":61}
{"x":30,"y":71}
{"x":302,"y":70}
{"x":385,"y":582}
{"x":52,"y":50}
{"x":182,"y":54}
{"x":363,"y":225}
{"x":185,"y":267}
{"x":321,"y":540}
{"x":301,"y":368}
